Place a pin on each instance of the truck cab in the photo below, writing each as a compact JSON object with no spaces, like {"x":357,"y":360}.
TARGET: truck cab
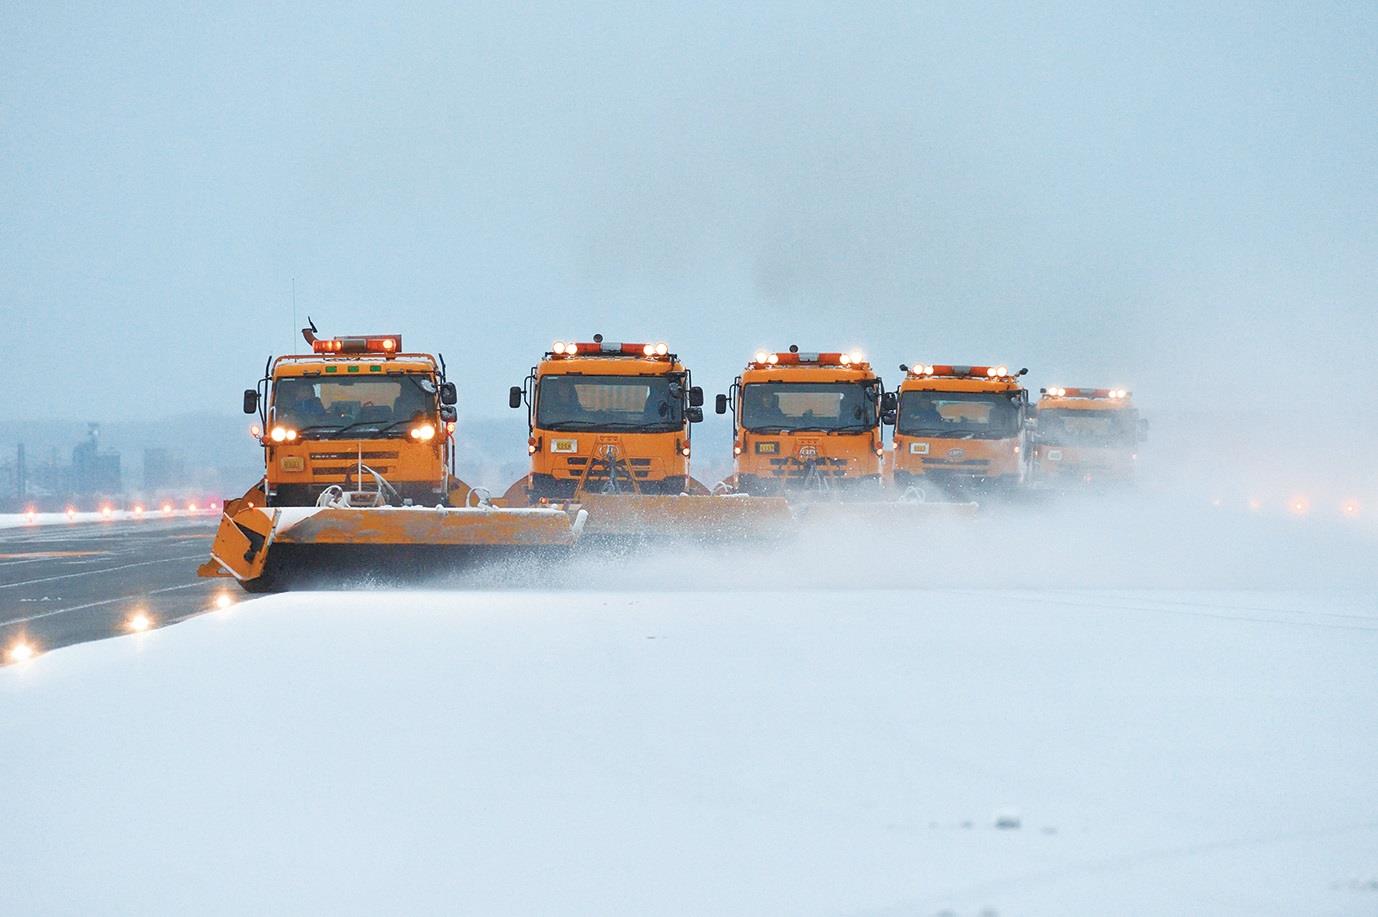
{"x":961,"y":427}
{"x":1086,"y":436}
{"x":608,"y":417}
{"x":806,"y":421}
{"x":356,"y":414}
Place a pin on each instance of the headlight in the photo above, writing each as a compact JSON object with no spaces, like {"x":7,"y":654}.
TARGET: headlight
{"x":423,"y":433}
{"x":279,"y":434}
{"x":21,"y":652}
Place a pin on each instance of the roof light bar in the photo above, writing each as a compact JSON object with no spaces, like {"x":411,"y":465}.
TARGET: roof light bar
{"x":1115,"y":394}
{"x":656,"y":350}
{"x":961,"y":372}
{"x":383,"y":343}
{"x":850,"y":359}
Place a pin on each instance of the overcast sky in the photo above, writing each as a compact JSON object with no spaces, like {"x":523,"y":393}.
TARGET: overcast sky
{"x":1162,"y":199}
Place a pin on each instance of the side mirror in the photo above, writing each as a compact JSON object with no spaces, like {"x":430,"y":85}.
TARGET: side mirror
{"x":449,"y":414}
{"x":514,"y":396}
{"x":889,"y":403}
{"x":250,"y":401}
{"x":694,"y":415}
{"x":448,"y":393}
{"x":888,"y":418}
{"x":720,"y":406}
{"x":696,"y":397}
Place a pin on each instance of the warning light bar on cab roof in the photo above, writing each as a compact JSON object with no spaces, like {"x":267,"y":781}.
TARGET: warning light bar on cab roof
{"x":1058,"y":392}
{"x":383,"y":343}
{"x":925,"y":370}
{"x":793,"y":357}
{"x":603,"y":348}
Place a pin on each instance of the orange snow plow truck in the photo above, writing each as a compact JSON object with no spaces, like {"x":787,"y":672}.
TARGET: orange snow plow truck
{"x":610,"y":426}
{"x":359,"y":478}
{"x":807,"y":423}
{"x":960,"y":429}
{"x":1086,"y":436}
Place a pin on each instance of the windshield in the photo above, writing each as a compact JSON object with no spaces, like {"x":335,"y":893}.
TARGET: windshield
{"x":329,"y":407}
{"x":1086,"y":428}
{"x":645,"y":404}
{"x":961,"y":415}
{"x":778,"y":406}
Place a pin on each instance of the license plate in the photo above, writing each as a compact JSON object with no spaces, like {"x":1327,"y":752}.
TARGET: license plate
{"x":767,"y":448}
{"x":1054,"y":455}
{"x":564,"y":445}
{"x":293,"y":463}
{"x":918,"y":448}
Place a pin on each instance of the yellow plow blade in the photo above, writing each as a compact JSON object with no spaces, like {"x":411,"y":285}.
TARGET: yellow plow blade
{"x":684,"y":516}
{"x":270,"y":548}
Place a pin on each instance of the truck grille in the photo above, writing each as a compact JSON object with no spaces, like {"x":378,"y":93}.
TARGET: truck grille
{"x":789,"y":468}
{"x":599,"y":472}
{"x":342,"y":470}
{"x":965,"y":464}
{"x":350,"y":456}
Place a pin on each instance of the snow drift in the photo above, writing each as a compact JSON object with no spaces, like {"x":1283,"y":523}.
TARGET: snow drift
{"x":858,"y":751}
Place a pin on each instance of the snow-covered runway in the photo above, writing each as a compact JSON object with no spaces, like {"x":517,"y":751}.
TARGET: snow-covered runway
{"x":831,"y":751}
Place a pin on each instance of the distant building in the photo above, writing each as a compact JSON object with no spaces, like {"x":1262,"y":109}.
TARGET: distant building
{"x":94,"y":471}
{"x":163,"y":470}
{"x":14,"y":483}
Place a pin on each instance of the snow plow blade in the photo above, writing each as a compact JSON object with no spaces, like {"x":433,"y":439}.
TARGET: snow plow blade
{"x":685,"y":517}
{"x":267,"y":549}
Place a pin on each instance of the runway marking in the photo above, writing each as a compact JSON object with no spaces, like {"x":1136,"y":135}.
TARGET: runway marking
{"x":142,"y":563}
{"x":41,"y":555}
{"x":123,"y":598}
{"x":16,"y":563}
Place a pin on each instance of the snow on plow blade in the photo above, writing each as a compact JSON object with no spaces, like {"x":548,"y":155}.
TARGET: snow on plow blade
{"x":685,"y":516}
{"x":274,"y":548}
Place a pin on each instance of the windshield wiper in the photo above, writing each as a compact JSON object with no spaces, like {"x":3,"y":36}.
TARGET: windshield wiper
{"x":777,"y":428}
{"x":610,"y":425}
{"x":371,"y":423}
{"x":975,"y":434}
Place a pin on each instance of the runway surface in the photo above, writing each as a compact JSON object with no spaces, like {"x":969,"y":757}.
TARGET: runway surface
{"x":65,"y":584}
